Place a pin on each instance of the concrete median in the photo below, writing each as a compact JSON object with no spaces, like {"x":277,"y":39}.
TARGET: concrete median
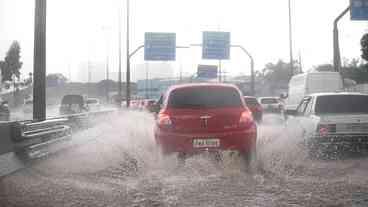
{"x":9,"y":162}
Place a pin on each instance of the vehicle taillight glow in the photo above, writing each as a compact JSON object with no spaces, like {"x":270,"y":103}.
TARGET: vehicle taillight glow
{"x":325,"y":129}
{"x":164,"y":120}
{"x":246,"y":119}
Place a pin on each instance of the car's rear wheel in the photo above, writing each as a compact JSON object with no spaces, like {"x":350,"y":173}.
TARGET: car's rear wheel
{"x":181,"y":157}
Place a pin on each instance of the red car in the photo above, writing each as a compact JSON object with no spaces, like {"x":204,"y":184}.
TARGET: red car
{"x":195,"y":118}
{"x":255,"y":107}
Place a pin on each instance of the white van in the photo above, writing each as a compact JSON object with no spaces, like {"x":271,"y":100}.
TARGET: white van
{"x":313,"y":82}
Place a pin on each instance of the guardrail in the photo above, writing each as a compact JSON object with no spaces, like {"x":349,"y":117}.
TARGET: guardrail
{"x":31,"y":139}
{"x":26,"y":140}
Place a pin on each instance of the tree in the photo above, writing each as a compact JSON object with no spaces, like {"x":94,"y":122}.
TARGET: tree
{"x":364,"y":46}
{"x":11,"y":65}
{"x":277,"y":74}
{"x":358,"y":73}
{"x":55,"y":79}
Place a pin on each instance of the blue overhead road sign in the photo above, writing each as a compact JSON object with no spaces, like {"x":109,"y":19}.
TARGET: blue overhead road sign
{"x":159,"y":46}
{"x":359,"y":9}
{"x":216,"y":45}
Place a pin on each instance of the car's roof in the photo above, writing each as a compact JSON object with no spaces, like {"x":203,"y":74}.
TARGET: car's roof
{"x":337,"y":94}
{"x":195,"y":85}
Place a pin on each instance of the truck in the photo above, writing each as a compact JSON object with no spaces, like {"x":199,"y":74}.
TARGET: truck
{"x":304,"y":84}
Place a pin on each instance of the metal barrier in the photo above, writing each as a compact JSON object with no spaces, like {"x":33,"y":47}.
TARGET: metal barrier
{"x":31,"y":139}
{"x":25,"y":140}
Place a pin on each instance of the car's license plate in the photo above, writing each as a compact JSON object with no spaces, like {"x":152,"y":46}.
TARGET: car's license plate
{"x":204,"y":143}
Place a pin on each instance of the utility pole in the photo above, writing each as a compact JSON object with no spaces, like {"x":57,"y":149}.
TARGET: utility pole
{"x":336,"y":47}
{"x":181,"y":72}
{"x":300,"y":63}
{"x":146,"y":82}
{"x":252,"y":72}
{"x":291,"y":40}
{"x":39,"y":62}
{"x":119,"y":78}
{"x":107,"y":79}
{"x":89,"y":79}
{"x":220,"y":72}
{"x":128,"y":57}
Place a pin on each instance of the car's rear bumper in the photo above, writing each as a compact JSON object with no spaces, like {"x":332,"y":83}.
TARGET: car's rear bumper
{"x":171,"y":142}
{"x":335,"y":141}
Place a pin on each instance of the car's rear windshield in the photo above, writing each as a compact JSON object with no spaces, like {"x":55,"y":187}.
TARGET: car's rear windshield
{"x":341,"y":104}
{"x":251,"y":101}
{"x":269,"y":101}
{"x":204,"y":97}
{"x":72,"y":99}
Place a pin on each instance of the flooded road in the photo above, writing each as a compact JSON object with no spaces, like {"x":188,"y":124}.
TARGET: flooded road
{"x":117,"y":164}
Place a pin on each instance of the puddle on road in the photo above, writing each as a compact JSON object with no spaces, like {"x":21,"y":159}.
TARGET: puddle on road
{"x":119,"y":157}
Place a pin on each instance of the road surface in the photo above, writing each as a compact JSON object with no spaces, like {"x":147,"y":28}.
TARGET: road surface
{"x":117,"y":164}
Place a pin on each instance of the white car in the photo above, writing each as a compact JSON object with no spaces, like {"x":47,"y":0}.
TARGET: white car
{"x":271,"y":104}
{"x":331,"y":122}
{"x":93,"y":104}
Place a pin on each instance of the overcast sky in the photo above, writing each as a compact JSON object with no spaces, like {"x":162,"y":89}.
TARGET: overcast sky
{"x":82,"y":30}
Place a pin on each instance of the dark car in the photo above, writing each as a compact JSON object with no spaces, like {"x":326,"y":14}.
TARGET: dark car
{"x":197,"y":118}
{"x":73,"y":104}
{"x":255,"y":107}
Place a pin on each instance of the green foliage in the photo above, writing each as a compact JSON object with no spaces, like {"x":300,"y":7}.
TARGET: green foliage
{"x":355,"y":71}
{"x":11,"y":65}
{"x":55,"y":79}
{"x":278,"y":75}
{"x":352,"y":69}
{"x":364,"y":47}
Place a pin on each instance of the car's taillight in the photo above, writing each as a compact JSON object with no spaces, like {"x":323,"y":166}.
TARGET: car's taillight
{"x":163,"y":120}
{"x":325,"y":129}
{"x":246,"y":119}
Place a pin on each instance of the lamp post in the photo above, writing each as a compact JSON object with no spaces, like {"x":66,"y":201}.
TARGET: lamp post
{"x":291,"y":40}
{"x":119,"y":73}
{"x":39,"y":62}
{"x":336,"y":47}
{"x":128,"y":57}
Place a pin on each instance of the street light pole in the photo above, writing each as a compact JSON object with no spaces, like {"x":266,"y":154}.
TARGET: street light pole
{"x":336,"y":47}
{"x":291,"y":40}
{"x":39,"y":62}
{"x":252,"y":81}
{"x":107,"y":79}
{"x":119,"y":78}
{"x":128,"y":57}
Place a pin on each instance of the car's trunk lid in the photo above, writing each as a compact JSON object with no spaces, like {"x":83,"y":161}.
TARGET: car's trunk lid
{"x":205,"y":120}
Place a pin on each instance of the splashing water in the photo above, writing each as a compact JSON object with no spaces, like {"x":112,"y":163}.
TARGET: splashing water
{"x":117,"y":163}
